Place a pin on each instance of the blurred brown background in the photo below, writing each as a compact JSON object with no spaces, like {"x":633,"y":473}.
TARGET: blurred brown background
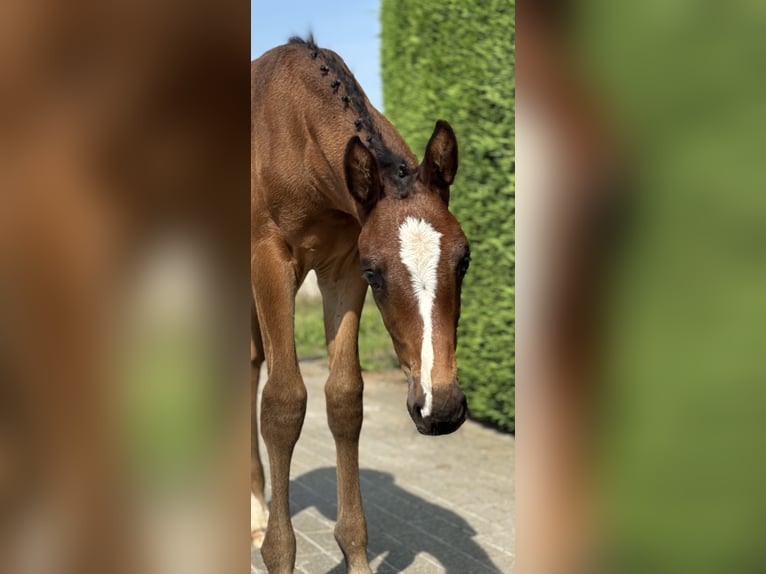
{"x":641,"y":286}
{"x":124,"y":154}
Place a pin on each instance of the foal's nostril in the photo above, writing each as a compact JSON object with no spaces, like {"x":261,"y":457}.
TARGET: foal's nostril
{"x":462,"y":411}
{"x":422,"y":423}
{"x":416,"y":410}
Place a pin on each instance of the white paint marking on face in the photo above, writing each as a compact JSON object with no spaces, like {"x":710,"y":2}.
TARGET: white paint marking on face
{"x":420,"y":250}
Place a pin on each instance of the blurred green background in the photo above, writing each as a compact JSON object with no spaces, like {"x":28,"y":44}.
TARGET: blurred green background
{"x":682,"y":437}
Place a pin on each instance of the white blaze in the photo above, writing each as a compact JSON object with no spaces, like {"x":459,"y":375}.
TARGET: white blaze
{"x":419,"y":249}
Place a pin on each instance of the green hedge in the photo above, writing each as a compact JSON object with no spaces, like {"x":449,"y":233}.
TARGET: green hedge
{"x":454,"y":60}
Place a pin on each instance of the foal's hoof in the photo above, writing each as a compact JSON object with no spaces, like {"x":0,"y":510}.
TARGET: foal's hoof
{"x":259,"y":518}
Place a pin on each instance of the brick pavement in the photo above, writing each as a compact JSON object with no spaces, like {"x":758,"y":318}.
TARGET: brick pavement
{"x":433,"y":504}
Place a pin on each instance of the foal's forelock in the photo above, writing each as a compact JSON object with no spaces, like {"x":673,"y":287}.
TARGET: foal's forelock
{"x":420,"y":252}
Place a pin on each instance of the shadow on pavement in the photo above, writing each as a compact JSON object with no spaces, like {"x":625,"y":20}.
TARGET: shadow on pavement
{"x":400,"y":524}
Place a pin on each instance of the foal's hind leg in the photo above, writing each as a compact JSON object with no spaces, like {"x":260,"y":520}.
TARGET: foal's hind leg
{"x":258,"y":512}
{"x":283,"y":404}
{"x":343,"y":293}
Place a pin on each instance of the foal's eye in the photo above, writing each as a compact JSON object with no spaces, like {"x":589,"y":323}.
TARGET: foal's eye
{"x":462,"y":267}
{"x":374,"y":278}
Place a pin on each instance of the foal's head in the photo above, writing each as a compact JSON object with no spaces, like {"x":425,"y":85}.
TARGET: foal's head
{"x":414,"y":255}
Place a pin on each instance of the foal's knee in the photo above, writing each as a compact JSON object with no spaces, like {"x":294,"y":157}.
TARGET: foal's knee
{"x":343,"y":395}
{"x":283,"y":407}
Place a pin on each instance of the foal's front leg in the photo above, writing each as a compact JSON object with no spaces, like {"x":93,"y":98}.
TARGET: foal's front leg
{"x":283,"y":401}
{"x":343,"y":293}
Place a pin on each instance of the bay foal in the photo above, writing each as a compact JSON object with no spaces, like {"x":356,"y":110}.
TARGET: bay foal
{"x":336,"y":189}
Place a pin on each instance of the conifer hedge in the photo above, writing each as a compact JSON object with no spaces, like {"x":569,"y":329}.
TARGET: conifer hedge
{"x":454,"y":60}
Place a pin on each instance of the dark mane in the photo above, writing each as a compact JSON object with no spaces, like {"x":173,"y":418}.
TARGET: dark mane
{"x":393,"y":166}
{"x":307,"y":42}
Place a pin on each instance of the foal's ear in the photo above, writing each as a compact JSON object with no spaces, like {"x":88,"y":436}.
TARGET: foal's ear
{"x":362,"y":176}
{"x":440,"y":160}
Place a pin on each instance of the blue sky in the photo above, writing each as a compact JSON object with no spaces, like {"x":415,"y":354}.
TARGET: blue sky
{"x":351,"y":28}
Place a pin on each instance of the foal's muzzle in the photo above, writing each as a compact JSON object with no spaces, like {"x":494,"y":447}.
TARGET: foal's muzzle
{"x":447,"y":413}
